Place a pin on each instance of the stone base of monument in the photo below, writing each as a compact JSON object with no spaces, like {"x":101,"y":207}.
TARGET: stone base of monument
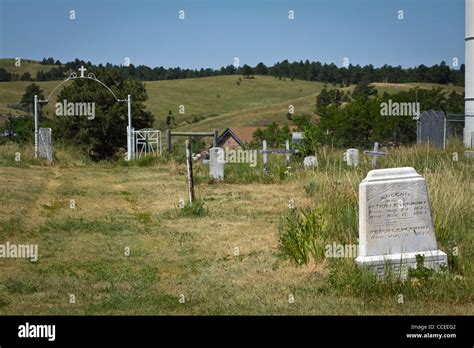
{"x":395,"y":223}
{"x":469,"y":153}
{"x":399,"y":264}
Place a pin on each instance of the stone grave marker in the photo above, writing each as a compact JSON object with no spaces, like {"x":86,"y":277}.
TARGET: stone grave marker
{"x":395,"y":223}
{"x":45,"y":144}
{"x":352,"y":157}
{"x":216,"y":163}
{"x":310,"y":162}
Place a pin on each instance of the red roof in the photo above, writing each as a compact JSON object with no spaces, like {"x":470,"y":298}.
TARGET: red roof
{"x":244,"y":134}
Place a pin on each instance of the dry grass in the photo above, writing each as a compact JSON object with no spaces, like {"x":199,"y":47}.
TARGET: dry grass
{"x":81,"y":251}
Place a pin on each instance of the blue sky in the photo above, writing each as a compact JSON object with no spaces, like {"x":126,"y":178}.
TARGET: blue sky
{"x":215,"y":31}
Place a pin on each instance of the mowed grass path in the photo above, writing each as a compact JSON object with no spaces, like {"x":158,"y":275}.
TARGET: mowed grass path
{"x":82,"y":250}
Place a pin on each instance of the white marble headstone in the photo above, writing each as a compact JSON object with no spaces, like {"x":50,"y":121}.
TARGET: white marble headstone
{"x":395,"y":222}
{"x":310,"y":162}
{"x":216,"y":163}
{"x":352,"y":157}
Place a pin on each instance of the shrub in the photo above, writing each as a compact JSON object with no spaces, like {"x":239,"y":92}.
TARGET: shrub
{"x":194,"y":209}
{"x":300,"y":235}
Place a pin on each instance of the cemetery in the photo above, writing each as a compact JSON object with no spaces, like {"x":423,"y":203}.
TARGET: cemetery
{"x":391,"y":215}
{"x":202,"y":222}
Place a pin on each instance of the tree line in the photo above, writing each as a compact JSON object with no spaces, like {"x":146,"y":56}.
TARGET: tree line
{"x":311,"y":71}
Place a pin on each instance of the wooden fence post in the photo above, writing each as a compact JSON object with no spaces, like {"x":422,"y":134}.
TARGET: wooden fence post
{"x":168,"y":141}
{"x":287,"y":154}
{"x":214,"y":143}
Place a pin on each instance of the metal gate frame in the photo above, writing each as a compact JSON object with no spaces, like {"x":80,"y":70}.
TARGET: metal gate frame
{"x":147,"y":141}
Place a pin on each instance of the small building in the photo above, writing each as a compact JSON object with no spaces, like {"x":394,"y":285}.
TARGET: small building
{"x":236,"y":137}
{"x":242,"y":136}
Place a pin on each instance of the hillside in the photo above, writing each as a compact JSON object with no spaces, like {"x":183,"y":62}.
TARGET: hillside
{"x":27,"y":65}
{"x":218,"y":102}
{"x":244,"y":101}
{"x":201,"y":97}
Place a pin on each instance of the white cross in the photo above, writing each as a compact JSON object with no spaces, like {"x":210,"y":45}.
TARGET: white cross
{"x":82,"y":69}
{"x":375,"y":153}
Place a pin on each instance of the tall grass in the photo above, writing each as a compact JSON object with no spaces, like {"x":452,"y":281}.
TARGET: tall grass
{"x":194,"y":209}
{"x":333,"y":192}
{"x":245,"y":173}
{"x":301,"y":235}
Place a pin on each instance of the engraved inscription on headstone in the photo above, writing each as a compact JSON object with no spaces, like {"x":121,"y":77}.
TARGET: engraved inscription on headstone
{"x":45,"y":144}
{"x":395,"y":222}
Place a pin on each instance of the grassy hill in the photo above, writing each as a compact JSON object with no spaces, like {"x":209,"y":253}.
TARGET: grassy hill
{"x":11,"y":93}
{"x":27,"y":65}
{"x":240,"y":100}
{"x":218,"y":102}
{"x":203,"y":97}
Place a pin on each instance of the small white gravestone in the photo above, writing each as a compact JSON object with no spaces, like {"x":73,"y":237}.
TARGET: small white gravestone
{"x":352,"y":157}
{"x":296,"y":137}
{"x":395,"y":222}
{"x":310,"y":162}
{"x":216,"y":163}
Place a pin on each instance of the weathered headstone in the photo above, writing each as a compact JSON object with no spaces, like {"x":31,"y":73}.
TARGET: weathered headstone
{"x":216,"y":163}
{"x":296,"y":137}
{"x":45,"y":144}
{"x":352,"y":157}
{"x":395,"y":222}
{"x":310,"y":162}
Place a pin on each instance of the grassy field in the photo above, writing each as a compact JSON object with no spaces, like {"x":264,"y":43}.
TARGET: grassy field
{"x":82,"y":251}
{"x":217,"y":102}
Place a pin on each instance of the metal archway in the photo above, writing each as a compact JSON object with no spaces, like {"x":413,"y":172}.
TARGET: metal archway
{"x":92,"y":77}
